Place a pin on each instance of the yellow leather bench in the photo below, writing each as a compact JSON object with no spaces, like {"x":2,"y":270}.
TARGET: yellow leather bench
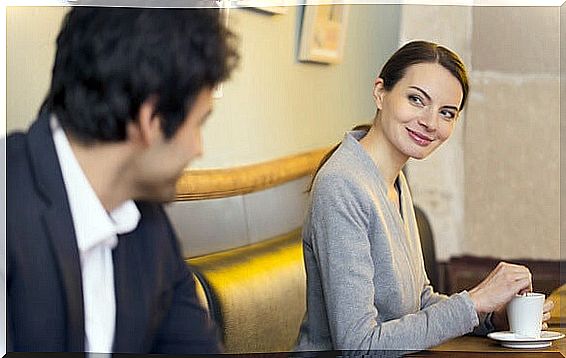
{"x":256,"y":293}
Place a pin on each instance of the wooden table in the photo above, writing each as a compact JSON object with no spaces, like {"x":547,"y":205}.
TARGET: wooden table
{"x":472,"y":346}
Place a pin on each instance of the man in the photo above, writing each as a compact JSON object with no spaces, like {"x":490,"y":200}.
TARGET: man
{"x":92,"y":260}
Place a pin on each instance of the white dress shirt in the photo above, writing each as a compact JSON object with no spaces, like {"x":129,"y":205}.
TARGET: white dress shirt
{"x":96,"y":233}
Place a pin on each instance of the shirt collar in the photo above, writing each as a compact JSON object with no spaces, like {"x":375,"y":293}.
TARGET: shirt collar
{"x":93,"y":224}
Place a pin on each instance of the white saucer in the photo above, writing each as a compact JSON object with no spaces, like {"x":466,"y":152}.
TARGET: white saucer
{"x":511,"y":340}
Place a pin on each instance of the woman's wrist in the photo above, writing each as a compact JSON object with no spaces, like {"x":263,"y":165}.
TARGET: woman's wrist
{"x":475,"y":297}
{"x":499,"y":320}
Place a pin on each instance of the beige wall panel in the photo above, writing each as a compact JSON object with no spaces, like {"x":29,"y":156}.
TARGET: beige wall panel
{"x":516,"y":39}
{"x":512,"y":167}
{"x":448,"y":25}
{"x":277,"y":210}
{"x":207,"y":226}
{"x":30,"y":50}
{"x":513,"y":55}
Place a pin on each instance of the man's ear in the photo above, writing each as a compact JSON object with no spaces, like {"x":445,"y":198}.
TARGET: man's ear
{"x":378,"y":92}
{"x":147,"y":129}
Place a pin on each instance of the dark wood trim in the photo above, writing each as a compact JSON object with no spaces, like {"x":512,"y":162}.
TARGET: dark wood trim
{"x":465,"y":272}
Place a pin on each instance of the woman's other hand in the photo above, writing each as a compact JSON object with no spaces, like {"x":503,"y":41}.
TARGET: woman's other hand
{"x":499,"y":318}
{"x":504,"y":282}
{"x":548,"y":306}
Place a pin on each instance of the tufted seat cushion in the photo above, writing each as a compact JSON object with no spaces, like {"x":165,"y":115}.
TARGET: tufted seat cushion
{"x":256,"y":293}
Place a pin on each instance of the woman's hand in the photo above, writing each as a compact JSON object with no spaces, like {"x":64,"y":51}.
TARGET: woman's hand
{"x":504,"y":282}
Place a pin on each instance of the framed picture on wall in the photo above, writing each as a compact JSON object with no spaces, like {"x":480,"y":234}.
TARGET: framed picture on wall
{"x":323,"y":33}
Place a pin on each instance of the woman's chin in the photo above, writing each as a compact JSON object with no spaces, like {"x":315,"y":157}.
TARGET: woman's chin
{"x":419,"y":155}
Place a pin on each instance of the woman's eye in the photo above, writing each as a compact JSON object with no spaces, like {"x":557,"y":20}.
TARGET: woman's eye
{"x":448,"y":114}
{"x":415,"y":99}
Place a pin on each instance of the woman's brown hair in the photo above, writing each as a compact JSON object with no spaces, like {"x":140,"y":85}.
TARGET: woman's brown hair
{"x":413,"y":53}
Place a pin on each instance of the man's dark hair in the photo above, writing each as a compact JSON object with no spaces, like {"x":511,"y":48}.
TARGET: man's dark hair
{"x":110,"y":60}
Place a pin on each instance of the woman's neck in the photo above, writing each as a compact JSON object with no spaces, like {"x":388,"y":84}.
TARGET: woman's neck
{"x":384,"y":154}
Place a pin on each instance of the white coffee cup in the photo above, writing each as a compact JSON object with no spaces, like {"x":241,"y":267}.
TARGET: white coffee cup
{"x":524,"y":313}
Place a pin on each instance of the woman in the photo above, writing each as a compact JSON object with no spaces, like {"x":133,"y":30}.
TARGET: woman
{"x":366,"y":284}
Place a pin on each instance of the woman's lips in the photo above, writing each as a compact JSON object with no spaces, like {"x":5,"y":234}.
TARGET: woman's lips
{"x":419,"y":138}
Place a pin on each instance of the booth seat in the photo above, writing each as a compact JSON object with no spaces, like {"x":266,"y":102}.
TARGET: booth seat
{"x":256,"y":293}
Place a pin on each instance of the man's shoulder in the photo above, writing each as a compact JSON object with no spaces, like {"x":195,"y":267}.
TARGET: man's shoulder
{"x":153,"y":218}
{"x":15,"y":143}
{"x":17,"y":162}
{"x":149,"y":209}
{"x":19,"y":143}
{"x":154,"y":234}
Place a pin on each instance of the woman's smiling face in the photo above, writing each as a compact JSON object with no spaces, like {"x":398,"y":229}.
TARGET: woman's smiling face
{"x":419,"y":112}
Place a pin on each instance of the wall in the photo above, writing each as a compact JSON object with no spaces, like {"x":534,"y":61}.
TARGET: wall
{"x":277,"y":106}
{"x":273,"y":106}
{"x":493,"y":189}
{"x":512,"y":139}
{"x":30,"y":50}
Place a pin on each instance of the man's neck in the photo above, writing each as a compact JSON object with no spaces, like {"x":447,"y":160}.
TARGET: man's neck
{"x":106,"y":169}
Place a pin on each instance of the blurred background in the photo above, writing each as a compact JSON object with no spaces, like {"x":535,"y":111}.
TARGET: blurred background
{"x":492,"y":191}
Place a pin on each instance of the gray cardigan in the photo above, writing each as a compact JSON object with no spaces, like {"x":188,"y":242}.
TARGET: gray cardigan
{"x":366,"y":284}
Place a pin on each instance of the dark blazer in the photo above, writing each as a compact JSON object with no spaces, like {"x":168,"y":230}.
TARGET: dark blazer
{"x":157,"y":310}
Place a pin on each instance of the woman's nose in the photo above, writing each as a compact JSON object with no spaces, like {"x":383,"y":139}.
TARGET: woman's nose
{"x":428,"y":121}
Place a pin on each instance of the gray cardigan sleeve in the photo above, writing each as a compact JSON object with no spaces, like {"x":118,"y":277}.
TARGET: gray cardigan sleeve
{"x":430,"y":297}
{"x":341,"y":246}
